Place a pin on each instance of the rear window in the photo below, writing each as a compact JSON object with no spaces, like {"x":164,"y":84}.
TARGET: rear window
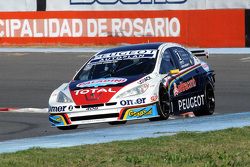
{"x":184,"y":58}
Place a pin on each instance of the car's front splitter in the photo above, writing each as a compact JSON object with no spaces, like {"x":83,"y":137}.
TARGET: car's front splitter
{"x":105,"y":115}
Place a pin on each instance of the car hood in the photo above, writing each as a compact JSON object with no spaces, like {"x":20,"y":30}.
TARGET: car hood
{"x":98,"y":91}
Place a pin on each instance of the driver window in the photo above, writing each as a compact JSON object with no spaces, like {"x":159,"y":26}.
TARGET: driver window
{"x":167,"y":62}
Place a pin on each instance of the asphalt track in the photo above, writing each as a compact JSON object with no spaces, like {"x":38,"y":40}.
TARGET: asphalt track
{"x":27,"y":80}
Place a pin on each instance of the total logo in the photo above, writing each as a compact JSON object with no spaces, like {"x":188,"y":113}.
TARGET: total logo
{"x":132,"y":102}
{"x":93,"y":91}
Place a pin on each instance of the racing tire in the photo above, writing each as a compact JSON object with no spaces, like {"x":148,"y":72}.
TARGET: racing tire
{"x":163,"y":105}
{"x":209,"y":107}
{"x":117,"y":122}
{"x":71,"y":127}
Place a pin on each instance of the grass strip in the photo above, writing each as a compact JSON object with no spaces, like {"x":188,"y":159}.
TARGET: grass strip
{"x":229,"y":147}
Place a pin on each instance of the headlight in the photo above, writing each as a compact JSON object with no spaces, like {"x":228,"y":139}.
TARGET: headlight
{"x":135,"y":91}
{"x":62,"y":98}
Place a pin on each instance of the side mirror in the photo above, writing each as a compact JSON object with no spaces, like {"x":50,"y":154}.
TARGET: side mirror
{"x":175,"y":71}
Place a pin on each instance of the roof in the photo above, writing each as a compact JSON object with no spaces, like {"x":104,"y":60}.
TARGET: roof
{"x":132,"y":47}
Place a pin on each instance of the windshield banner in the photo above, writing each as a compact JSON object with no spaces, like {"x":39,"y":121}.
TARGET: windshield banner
{"x":126,"y":55}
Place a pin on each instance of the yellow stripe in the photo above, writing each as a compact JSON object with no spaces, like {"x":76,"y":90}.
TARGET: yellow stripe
{"x":126,"y":115}
{"x":62,"y":118}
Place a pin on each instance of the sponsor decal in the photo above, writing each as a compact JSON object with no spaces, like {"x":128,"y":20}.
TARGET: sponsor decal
{"x":154,"y":98}
{"x":144,"y":80}
{"x":126,"y":55}
{"x":70,"y":108}
{"x":139,"y":113}
{"x":119,"y":27}
{"x":94,"y":91}
{"x":190,"y":103}
{"x":57,"y":120}
{"x":185,"y":65}
{"x":101,"y":82}
{"x":132,"y":102}
{"x":89,"y":96}
{"x":91,"y":108}
{"x":184,"y":86}
{"x":86,"y":26}
{"x":205,"y":66}
{"x":57,"y":108}
{"x":128,"y":2}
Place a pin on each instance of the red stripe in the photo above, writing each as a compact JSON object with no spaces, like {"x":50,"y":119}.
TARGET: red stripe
{"x":177,"y":75}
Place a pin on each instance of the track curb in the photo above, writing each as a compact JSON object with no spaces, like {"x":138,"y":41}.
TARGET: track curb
{"x":24,"y":110}
{"x":7,"y":109}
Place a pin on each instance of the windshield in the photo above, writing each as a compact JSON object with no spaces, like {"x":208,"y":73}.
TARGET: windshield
{"x":118,"y":65}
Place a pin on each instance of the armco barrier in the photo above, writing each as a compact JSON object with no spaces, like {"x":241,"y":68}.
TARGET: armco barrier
{"x":197,"y":28}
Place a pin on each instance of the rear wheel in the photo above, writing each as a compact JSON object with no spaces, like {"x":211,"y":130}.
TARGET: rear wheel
{"x":209,"y":107}
{"x":163,"y":105}
{"x":71,"y":127}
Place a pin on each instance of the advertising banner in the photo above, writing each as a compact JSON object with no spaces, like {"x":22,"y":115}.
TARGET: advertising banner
{"x":18,"y":5}
{"x":125,"y":5}
{"x":197,"y":28}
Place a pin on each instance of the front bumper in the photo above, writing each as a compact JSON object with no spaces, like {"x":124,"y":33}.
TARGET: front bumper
{"x":104,"y":115}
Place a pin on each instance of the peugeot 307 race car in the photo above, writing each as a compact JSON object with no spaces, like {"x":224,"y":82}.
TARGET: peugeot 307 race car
{"x":143,"y":81}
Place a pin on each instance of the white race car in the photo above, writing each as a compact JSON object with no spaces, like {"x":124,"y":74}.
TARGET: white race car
{"x":144,"y":81}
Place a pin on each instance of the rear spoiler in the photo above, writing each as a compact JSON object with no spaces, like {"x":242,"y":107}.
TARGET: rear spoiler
{"x":200,"y":52}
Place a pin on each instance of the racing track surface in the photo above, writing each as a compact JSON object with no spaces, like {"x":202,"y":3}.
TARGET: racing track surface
{"x":27,"y":80}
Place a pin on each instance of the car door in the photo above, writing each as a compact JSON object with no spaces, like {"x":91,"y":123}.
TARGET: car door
{"x":185,"y":86}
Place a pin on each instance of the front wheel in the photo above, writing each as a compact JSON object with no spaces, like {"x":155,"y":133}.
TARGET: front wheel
{"x":163,"y":105}
{"x":209,"y":107}
{"x":71,"y":127}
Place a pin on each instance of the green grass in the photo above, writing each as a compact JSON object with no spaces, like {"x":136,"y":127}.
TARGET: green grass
{"x":229,"y":147}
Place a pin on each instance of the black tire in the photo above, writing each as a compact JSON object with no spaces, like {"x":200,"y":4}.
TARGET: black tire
{"x":209,"y":107}
{"x":117,"y":122}
{"x":163,"y":105}
{"x":71,"y":127}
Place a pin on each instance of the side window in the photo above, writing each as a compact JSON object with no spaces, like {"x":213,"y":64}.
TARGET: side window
{"x":184,"y":58}
{"x":167,"y":62}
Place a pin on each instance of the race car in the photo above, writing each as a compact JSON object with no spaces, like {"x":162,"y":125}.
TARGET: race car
{"x":142,"y":81}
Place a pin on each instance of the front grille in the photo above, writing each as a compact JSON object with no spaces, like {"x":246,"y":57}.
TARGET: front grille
{"x":96,"y":105}
{"x":111,"y":104}
{"x":94,"y":117}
